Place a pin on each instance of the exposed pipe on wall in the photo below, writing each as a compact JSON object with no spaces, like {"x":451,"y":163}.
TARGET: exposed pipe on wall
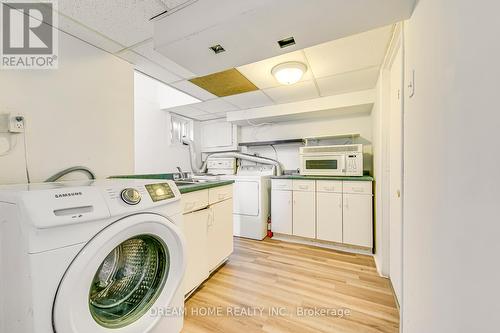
{"x":64,"y":172}
{"x":196,"y":168}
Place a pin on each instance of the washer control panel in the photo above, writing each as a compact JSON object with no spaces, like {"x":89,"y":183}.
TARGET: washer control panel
{"x":160,"y":191}
{"x":130,"y":196}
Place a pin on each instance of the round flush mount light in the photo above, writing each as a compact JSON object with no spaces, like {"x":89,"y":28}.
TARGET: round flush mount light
{"x":289,"y":72}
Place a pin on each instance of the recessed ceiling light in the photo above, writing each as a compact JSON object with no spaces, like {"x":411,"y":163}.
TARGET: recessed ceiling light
{"x":217,"y":48}
{"x":289,"y":72}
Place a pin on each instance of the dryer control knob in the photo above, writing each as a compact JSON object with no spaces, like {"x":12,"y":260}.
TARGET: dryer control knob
{"x":131,"y":196}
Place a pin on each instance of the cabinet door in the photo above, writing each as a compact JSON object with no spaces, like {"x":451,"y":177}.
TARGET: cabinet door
{"x":218,"y":135}
{"x":329,"y":216}
{"x":220,"y":233}
{"x":195,"y":231}
{"x":304,"y":214}
{"x":357,"y":221}
{"x":281,"y":212}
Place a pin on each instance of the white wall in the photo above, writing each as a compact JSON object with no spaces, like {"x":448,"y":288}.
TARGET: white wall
{"x":289,"y":154}
{"x":452,"y":179}
{"x":79,"y":114}
{"x":154,"y":152}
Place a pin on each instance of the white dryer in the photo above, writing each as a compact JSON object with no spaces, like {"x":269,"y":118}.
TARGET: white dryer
{"x":93,"y":257}
{"x":251,"y":200}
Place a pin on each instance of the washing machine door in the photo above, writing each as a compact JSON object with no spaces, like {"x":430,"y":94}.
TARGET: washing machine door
{"x":129,"y":269}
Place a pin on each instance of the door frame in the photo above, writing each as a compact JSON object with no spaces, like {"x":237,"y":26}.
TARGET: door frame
{"x":396,"y":45}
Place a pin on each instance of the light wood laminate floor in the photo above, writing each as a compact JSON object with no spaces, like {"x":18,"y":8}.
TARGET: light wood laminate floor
{"x":268,"y":286}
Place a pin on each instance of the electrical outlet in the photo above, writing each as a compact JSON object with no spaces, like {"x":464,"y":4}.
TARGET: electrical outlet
{"x":16,"y":124}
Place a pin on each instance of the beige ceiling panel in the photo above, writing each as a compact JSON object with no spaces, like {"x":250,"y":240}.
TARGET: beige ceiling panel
{"x":350,"y":53}
{"x":226,"y":83}
{"x":348,"y":82}
{"x":193,"y":90}
{"x":249,"y":100}
{"x":260,"y":72}
{"x":292,"y":93}
{"x":215,"y":106}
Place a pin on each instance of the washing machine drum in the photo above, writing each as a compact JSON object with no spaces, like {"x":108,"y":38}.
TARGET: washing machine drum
{"x":129,"y":268}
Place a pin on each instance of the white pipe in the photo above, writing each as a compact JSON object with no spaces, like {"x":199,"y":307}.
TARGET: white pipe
{"x":242,"y":156}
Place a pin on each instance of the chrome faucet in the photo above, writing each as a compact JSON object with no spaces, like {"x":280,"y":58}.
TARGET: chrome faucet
{"x":182,"y":174}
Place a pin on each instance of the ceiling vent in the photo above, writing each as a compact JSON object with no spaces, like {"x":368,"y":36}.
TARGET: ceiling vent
{"x":286,"y":42}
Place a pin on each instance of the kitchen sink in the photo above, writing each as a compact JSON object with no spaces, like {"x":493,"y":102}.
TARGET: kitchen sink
{"x":190,"y":181}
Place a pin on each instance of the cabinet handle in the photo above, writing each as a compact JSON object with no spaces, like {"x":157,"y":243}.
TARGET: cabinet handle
{"x":357,"y":189}
{"x":303,"y":187}
{"x":222,"y":195}
{"x":340,"y":202}
{"x":190,"y":205}
{"x":346,"y":203}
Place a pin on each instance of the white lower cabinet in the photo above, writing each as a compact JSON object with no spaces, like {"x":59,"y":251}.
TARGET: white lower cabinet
{"x":327,"y":210}
{"x":208,"y":229}
{"x":281,"y":211}
{"x":329,"y":216}
{"x":195,"y":231}
{"x":357,"y":217}
{"x":304,"y":214}
{"x":220,"y":233}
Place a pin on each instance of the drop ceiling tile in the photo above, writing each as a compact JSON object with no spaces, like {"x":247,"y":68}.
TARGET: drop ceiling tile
{"x":215,"y":106}
{"x":193,"y":90}
{"x":211,"y":116}
{"x":148,"y":67}
{"x":74,"y":28}
{"x":351,"y":53}
{"x":187,"y":111}
{"x":253,"y":99}
{"x":260,"y":72}
{"x":292,"y":93}
{"x":347,"y":82}
{"x":125,"y":21}
{"x":147,"y":49}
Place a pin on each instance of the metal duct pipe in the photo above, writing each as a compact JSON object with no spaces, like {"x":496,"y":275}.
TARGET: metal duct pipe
{"x":193,"y":160}
{"x":243,"y":156}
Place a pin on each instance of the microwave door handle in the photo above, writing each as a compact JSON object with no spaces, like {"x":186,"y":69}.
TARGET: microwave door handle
{"x":342,"y":164}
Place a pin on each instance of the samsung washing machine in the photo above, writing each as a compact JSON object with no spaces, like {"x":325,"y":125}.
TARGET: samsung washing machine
{"x":93,"y":257}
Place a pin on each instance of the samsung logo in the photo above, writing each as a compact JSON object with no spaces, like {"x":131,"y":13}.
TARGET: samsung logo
{"x":69,"y":194}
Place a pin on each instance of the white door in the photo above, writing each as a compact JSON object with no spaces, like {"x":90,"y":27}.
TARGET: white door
{"x":195,"y":231}
{"x":220,"y":233}
{"x":357,"y":219}
{"x":246,"y":197}
{"x":396,"y":176}
{"x":329,"y":216}
{"x":281,"y":212}
{"x":304,"y":214}
{"x":131,"y":266}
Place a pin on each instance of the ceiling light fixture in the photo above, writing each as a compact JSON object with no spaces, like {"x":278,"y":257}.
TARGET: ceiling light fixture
{"x":289,"y":72}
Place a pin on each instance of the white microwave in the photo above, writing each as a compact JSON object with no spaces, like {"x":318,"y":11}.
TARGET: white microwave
{"x":340,"y":160}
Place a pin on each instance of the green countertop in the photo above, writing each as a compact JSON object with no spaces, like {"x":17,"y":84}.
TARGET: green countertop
{"x":182,"y":188}
{"x":358,"y":178}
{"x":203,"y":186}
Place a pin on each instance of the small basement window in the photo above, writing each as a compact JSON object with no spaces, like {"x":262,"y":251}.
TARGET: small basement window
{"x":180,"y":127}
